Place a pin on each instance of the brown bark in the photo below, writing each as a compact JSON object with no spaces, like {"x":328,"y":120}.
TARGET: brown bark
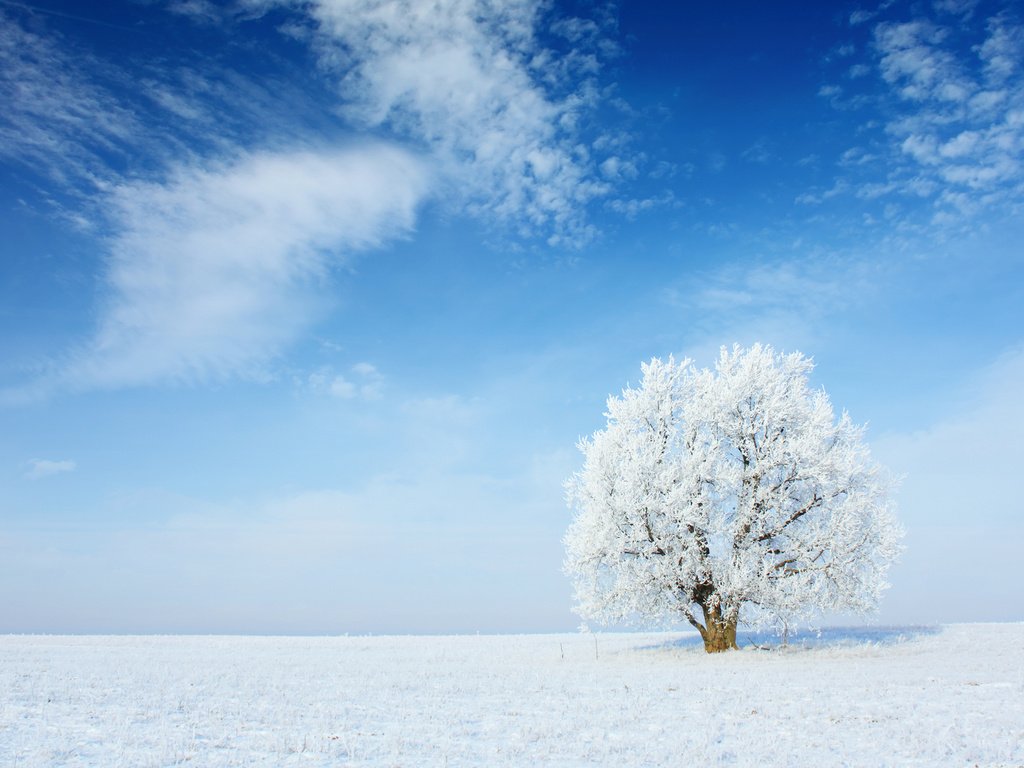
{"x":719,"y":630}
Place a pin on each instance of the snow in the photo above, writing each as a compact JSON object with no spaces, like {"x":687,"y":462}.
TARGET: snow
{"x":736,"y":491}
{"x":950,"y":696}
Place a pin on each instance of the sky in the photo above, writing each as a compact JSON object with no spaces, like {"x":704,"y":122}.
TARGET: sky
{"x":304,"y":306}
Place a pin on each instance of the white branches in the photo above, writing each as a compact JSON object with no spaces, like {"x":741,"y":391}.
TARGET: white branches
{"x":734,"y":490}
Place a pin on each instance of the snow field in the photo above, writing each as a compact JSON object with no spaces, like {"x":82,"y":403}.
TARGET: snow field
{"x":953,"y":697}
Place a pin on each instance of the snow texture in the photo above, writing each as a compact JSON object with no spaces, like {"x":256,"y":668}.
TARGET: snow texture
{"x":905,"y":697}
{"x":735,"y":490}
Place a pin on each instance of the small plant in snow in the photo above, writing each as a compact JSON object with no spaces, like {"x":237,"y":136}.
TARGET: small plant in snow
{"x":725,"y":496}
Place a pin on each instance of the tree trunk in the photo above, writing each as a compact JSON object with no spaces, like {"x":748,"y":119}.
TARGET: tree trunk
{"x":719,"y":632}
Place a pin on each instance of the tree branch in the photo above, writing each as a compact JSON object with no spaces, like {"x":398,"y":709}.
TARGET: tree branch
{"x":693,"y":620}
{"x":792,"y":518}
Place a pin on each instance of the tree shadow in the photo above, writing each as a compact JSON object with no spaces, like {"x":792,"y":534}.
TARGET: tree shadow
{"x":826,"y":637}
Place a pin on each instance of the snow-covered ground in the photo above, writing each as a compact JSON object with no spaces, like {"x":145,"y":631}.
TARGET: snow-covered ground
{"x":952,"y":696}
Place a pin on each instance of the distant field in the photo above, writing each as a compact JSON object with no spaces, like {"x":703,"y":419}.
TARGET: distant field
{"x":952,"y":696}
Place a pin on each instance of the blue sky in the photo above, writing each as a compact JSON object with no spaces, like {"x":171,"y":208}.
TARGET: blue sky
{"x":304,"y":305}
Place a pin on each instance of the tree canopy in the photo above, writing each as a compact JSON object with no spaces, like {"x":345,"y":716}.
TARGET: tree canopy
{"x":730,"y":495}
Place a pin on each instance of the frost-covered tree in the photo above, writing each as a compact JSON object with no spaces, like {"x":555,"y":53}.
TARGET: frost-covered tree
{"x":726,"y":496}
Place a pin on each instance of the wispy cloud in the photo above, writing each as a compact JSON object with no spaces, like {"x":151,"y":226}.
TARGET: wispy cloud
{"x":963,"y":8}
{"x":633,"y":207}
{"x":759,"y":152}
{"x":965,"y":132}
{"x":952,"y":113}
{"x":80,"y":120}
{"x":861,"y":16}
{"x":362,"y":382}
{"x":913,"y":61}
{"x":215,"y":248}
{"x":55,"y":117}
{"x":200,"y":11}
{"x":469,"y":81}
{"x":211,"y":273}
{"x":791,"y":301}
{"x":807,"y":287}
{"x":37,"y":469}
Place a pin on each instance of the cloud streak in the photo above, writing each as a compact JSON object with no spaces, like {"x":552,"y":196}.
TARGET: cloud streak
{"x":469,"y":81}
{"x":217,"y":244}
{"x":213,"y":273}
{"x":363,"y":382}
{"x":964,"y":126}
{"x":86,"y":123}
{"x":55,"y":118}
{"x":950,"y":114}
{"x":36,"y":469}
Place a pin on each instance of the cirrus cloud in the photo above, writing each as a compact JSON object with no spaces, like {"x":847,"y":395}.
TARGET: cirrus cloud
{"x":213,"y":272}
{"x":470,"y":82}
{"x":37,"y":469}
{"x":949,"y":128}
{"x":216,"y":259}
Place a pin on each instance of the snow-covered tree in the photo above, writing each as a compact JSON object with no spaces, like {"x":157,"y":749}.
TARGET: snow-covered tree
{"x":736,"y":492}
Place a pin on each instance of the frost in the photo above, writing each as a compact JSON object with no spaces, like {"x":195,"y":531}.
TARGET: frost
{"x":736,"y":492}
{"x":876,"y":698}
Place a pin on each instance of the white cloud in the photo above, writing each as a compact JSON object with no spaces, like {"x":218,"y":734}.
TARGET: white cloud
{"x":55,"y":117}
{"x":1003,"y":50}
{"x":956,"y":7}
{"x":342,"y":387}
{"x":952,"y":112}
{"x":366,"y":369}
{"x":791,"y":302}
{"x":363,"y":382}
{"x":615,"y":167}
{"x":805,"y":287}
{"x":861,"y":16}
{"x":200,"y":11}
{"x":468,"y":80}
{"x":79,"y":119}
{"x":912,"y":59}
{"x":633,"y":207}
{"x":39,"y":468}
{"x":964,"y":131}
{"x":857,"y":156}
{"x":759,"y":152}
{"x":840,"y":187}
{"x":211,"y":273}
{"x":212,"y":265}
{"x":465,"y":80}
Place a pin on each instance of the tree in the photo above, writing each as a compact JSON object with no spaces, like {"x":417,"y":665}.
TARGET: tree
{"x":736,"y":492}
